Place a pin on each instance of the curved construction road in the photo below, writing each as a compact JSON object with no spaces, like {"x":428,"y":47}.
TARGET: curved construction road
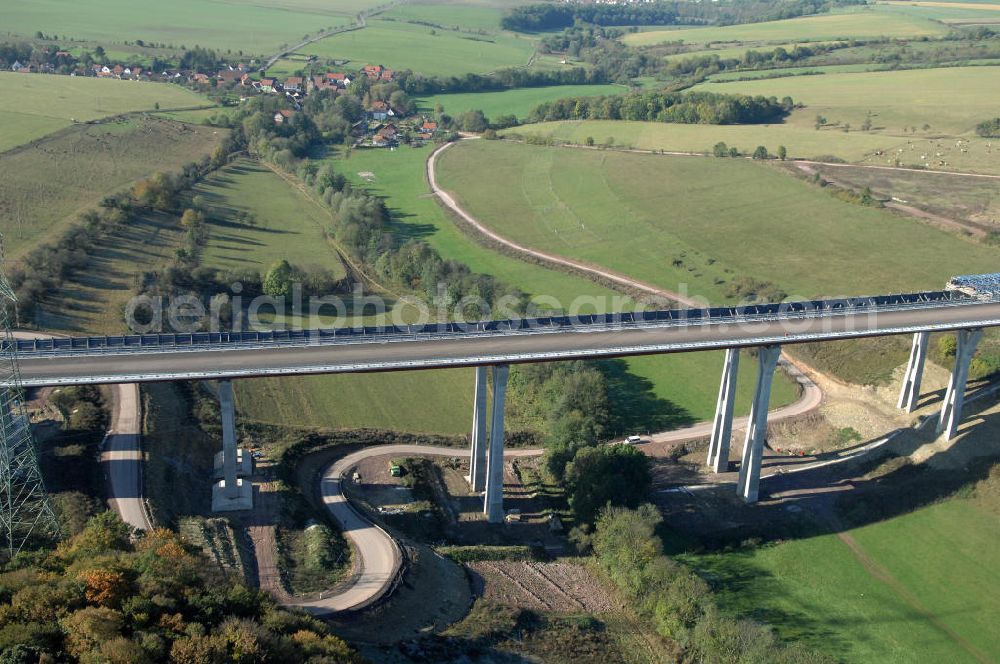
{"x":379,"y":555}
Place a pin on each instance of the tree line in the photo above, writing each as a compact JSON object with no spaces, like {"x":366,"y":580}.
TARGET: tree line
{"x":682,"y":108}
{"x":107,"y":595}
{"x":537,"y":17}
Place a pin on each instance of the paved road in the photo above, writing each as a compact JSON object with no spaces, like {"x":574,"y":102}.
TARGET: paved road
{"x":121,"y":453}
{"x":379,"y":555}
{"x":473,"y":350}
{"x":122,"y":457}
{"x":810,"y":398}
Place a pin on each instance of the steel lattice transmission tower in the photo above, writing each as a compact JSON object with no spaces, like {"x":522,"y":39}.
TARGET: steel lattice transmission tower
{"x":25,"y":512}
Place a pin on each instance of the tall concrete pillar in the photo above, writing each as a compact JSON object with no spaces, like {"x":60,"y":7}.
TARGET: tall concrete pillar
{"x":477,"y":464}
{"x":951,"y":412}
{"x":493,"y":502}
{"x":910,"y":393}
{"x":232,"y":493}
{"x":753,"y":445}
{"x":722,"y":425}
{"x":229,"y":464}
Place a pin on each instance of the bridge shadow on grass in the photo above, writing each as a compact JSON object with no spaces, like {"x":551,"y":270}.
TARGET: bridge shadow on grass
{"x":635,"y":407}
{"x":840,"y":497}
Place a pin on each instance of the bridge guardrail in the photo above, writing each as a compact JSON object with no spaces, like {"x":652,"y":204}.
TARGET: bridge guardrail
{"x":177,"y":342}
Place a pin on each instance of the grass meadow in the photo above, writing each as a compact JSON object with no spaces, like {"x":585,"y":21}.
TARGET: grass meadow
{"x":47,"y":184}
{"x":287,"y":225}
{"x":823,"y":27}
{"x":800,"y":141}
{"x":424,"y":49}
{"x":237,"y":26}
{"x":517,"y":102}
{"x":35,"y":105}
{"x":665,"y":220}
{"x":825,"y":593}
{"x":660,"y":390}
{"x":951,"y":100}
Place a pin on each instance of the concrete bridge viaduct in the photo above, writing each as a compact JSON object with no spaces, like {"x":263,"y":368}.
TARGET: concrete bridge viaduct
{"x":497,"y":344}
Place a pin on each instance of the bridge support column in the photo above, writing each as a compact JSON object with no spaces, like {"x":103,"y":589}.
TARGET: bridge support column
{"x":951,"y":411}
{"x":753,"y":445}
{"x":722,"y":425}
{"x":910,"y":394}
{"x":231,"y":493}
{"x":477,"y":459}
{"x":493,"y":501}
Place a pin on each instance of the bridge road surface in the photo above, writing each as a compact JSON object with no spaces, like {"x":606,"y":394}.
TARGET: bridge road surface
{"x":378,"y":554}
{"x":122,"y":457}
{"x":183,"y":363}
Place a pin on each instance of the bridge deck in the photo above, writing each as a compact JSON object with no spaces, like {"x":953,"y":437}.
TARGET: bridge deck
{"x":232,"y":355}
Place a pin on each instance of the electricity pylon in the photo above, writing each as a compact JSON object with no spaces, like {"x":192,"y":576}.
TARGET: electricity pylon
{"x":26,"y":515}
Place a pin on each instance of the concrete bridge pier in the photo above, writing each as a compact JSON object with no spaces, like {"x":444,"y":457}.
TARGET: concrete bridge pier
{"x":493,"y":501}
{"x":951,"y":411}
{"x":722,"y":425}
{"x":753,"y":445}
{"x":231,"y":493}
{"x":910,"y":393}
{"x":477,"y":463}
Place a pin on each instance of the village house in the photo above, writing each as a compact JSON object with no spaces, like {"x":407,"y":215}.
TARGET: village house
{"x":229,"y":75}
{"x":293,"y":84}
{"x":386,"y":136}
{"x":202,"y":79}
{"x":267,"y":85}
{"x":381,"y":110}
{"x":378,"y":73}
{"x":282,"y":115}
{"x":341,"y":81}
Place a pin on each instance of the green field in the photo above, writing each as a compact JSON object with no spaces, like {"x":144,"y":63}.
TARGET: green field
{"x":449,"y":15}
{"x":823,"y":27}
{"x":287,"y":225}
{"x":517,"y":102}
{"x":407,"y":46}
{"x":820,"y":592}
{"x":36,"y":105}
{"x":383,"y":400}
{"x":953,"y":13}
{"x":664,"y":220}
{"x":973,"y":155}
{"x":683,"y":383}
{"x":234,"y":25}
{"x":47,"y":184}
{"x":800,"y":141}
{"x":950,"y":100}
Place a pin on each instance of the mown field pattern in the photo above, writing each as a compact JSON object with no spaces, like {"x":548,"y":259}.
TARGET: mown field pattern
{"x":846,"y":25}
{"x":663,"y":219}
{"x":234,"y":25}
{"x":820,"y":591}
{"x":285,"y":224}
{"x":517,"y":102}
{"x":47,"y":183}
{"x":424,"y":49}
{"x":950,"y":100}
{"x":659,"y":389}
{"x":36,"y":105}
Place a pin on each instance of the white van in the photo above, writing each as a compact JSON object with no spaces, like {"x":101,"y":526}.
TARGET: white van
{"x":633,"y":440}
